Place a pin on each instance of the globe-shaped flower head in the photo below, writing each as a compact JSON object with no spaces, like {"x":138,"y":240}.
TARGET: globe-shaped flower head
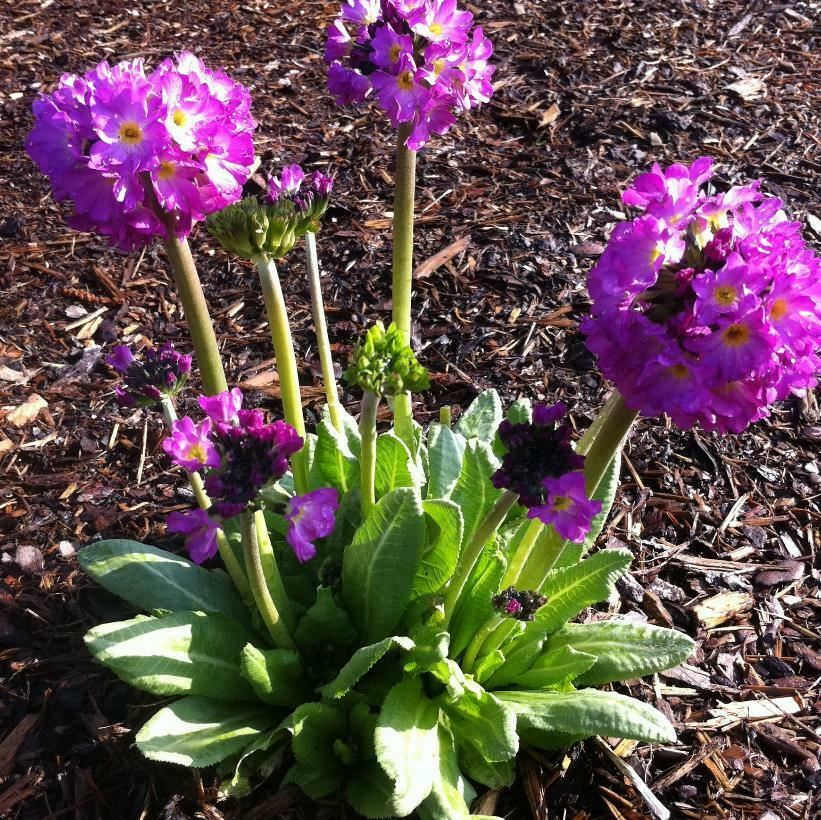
{"x":705,"y":307}
{"x":140,"y":153}
{"x":422,"y":60}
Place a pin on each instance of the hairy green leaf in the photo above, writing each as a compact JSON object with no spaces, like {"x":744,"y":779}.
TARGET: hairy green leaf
{"x":555,"y":667}
{"x":443,"y":537}
{"x":199,"y":732}
{"x":446,"y":450}
{"x":394,"y":466}
{"x":407,"y":743}
{"x":482,"y":418}
{"x":584,"y":713}
{"x":153,"y":579}
{"x":452,"y":793}
{"x":370,"y":791}
{"x":623,"y":650}
{"x":379,"y":566}
{"x":275,"y":674}
{"x":473,"y":492}
{"x":325,"y":623}
{"x":316,"y":729}
{"x":606,"y":493}
{"x":184,"y":653}
{"x":360,"y":664}
{"x":334,"y":464}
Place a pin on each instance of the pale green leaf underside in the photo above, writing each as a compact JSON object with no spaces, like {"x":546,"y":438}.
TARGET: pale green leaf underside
{"x":445,"y":452}
{"x":443,"y":537}
{"x":482,"y":418}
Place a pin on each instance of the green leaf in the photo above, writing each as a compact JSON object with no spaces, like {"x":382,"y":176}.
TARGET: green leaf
{"x":394,"y":466}
{"x":184,"y":653}
{"x":379,"y":566}
{"x":475,"y":606}
{"x":370,"y":791}
{"x":519,"y":656}
{"x":443,"y":536}
{"x":480,"y":721}
{"x":473,"y":492}
{"x":446,"y":450}
{"x":584,"y":713}
{"x":488,"y":664}
{"x":199,"y":732}
{"x":407,"y":743}
{"x":325,"y":623}
{"x":606,"y":493}
{"x":492,"y":775}
{"x":316,"y":728}
{"x":452,"y":793}
{"x":152,"y":579}
{"x":259,"y":760}
{"x":482,"y":419}
{"x":520,"y":412}
{"x":275,"y":675}
{"x":335,"y":464}
{"x":360,"y":664}
{"x":623,"y":650}
{"x":571,"y":589}
{"x":555,"y":667}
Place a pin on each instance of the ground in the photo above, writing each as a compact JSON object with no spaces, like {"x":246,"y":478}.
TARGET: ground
{"x":724,"y":529}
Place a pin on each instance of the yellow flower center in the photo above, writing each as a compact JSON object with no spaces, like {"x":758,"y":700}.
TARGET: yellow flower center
{"x":725,"y":295}
{"x":394,"y":53}
{"x":736,"y":335}
{"x":438,"y":66}
{"x":779,"y":309}
{"x":562,"y":503}
{"x":167,"y":170}
{"x":658,"y":250}
{"x":180,"y":118}
{"x":436,"y":29}
{"x":680,"y":371}
{"x":196,"y":452}
{"x":130,"y":133}
{"x":405,"y":81}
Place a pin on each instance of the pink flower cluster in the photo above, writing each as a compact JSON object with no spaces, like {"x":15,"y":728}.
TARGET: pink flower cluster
{"x":421,"y":59}
{"x":705,"y":307}
{"x":309,"y":194}
{"x":123,"y":145}
{"x":157,"y":373}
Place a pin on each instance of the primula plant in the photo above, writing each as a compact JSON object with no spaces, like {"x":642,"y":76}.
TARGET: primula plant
{"x":384,"y":612}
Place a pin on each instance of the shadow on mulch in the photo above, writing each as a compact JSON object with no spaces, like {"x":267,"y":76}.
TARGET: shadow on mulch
{"x":724,"y":529}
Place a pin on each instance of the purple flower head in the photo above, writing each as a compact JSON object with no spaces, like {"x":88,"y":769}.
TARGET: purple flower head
{"x":126,"y":146}
{"x":310,"y":516}
{"x":519,"y":605}
{"x":705,"y":307}
{"x":159,"y":372}
{"x":422,"y":58}
{"x":309,"y":194}
{"x":189,"y":446}
{"x":224,"y":407}
{"x":535,"y":451}
{"x":287,"y":184}
{"x":567,"y":507}
{"x":200,"y":531}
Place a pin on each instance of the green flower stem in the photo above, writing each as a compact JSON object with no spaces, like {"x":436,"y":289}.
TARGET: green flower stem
{"x":229,"y":559}
{"x":271,"y":571}
{"x":196,"y":313}
{"x":367,"y":457}
{"x":321,"y":328}
{"x":472,"y":652}
{"x":517,"y":563}
{"x":499,"y":633}
{"x":470,"y":554}
{"x":259,"y":588}
{"x":286,"y":362}
{"x":445,"y":416}
{"x":402,"y":289}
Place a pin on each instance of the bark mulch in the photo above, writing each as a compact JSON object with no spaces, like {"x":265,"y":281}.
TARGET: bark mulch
{"x":523,"y":194}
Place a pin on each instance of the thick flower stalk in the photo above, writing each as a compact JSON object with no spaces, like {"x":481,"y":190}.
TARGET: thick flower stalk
{"x":705,"y":307}
{"x":422,"y":60}
{"x":157,"y":374}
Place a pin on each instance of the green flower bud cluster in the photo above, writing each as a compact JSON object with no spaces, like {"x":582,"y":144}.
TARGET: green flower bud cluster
{"x":385,"y":365}
{"x":250,"y":229}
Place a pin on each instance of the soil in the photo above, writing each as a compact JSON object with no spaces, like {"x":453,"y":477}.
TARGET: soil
{"x":725,"y":529}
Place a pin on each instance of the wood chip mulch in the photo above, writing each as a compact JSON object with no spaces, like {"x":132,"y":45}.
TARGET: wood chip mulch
{"x":522,"y":194}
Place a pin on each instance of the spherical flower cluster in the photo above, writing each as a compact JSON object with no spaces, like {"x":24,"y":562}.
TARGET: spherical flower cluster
{"x":705,"y":307}
{"x":541,"y":467}
{"x":310,"y":516}
{"x":310,"y":195}
{"x":239,"y":452}
{"x":158,"y":373}
{"x":140,"y":152}
{"x":420,"y":58}
{"x":519,"y":605}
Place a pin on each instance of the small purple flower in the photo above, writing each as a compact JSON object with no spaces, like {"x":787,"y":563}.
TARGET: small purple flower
{"x":567,"y":507}
{"x":519,"y":605}
{"x":200,"y":531}
{"x":190,"y":446}
{"x":310,"y":516}
{"x":535,"y":451}
{"x":287,"y":184}
{"x":157,"y":373}
{"x":224,"y":407}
